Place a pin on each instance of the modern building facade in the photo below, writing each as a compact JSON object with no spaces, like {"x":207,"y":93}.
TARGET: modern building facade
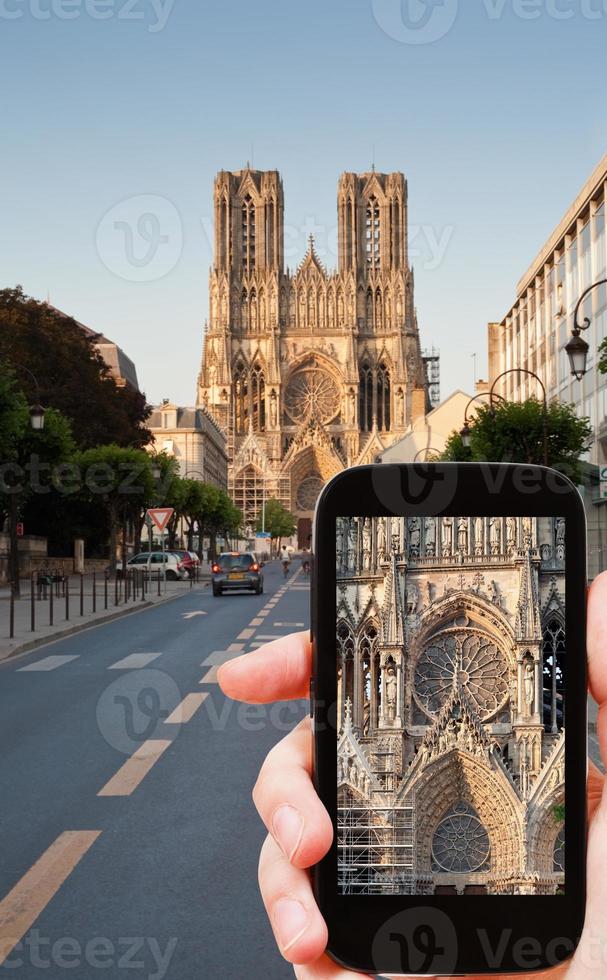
{"x":536,"y":329}
{"x":311,"y":371}
{"x":195,"y":439}
{"x":451,"y":673}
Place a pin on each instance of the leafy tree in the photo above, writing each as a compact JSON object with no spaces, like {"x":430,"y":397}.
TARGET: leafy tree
{"x":602,"y":365}
{"x":71,"y":373}
{"x":120,"y":480}
{"x":514,"y":432}
{"x":279,"y":522}
{"x":28,"y":459}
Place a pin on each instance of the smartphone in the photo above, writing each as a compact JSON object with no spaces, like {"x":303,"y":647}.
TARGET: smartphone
{"x":448,"y":700}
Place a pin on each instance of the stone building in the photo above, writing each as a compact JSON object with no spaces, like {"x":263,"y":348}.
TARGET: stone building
{"x":193,"y":437}
{"x":450,"y":659}
{"x":311,"y":371}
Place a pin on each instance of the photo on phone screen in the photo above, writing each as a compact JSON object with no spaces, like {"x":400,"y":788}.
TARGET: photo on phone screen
{"x":451,"y":705}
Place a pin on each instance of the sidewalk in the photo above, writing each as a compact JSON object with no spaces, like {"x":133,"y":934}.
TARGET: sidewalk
{"x":66,"y":616}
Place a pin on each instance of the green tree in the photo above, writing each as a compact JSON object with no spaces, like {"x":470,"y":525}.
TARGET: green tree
{"x":279,"y":522}
{"x":71,"y":373}
{"x":602,"y":365}
{"x":28,"y":460}
{"x":514,"y":432}
{"x":120,"y":480}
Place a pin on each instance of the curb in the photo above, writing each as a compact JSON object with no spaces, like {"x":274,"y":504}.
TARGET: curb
{"x":8,"y":652}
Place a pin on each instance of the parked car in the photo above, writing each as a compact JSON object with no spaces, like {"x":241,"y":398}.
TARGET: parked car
{"x":174,"y":568}
{"x":189,"y":560}
{"x":236,"y":570}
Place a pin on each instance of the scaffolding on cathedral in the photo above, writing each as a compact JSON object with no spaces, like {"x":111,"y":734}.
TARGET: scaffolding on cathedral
{"x":375,"y":849}
{"x":431,"y":359}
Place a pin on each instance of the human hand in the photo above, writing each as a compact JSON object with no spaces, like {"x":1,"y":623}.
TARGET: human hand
{"x":300,"y":831}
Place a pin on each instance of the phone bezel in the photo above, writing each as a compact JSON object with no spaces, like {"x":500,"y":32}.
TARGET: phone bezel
{"x":353,"y":921}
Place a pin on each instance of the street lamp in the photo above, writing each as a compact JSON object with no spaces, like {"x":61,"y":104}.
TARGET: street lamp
{"x":577,"y":349}
{"x":531,"y":374}
{"x":466,"y":431}
{"x":37,"y":423}
{"x":426,"y":450}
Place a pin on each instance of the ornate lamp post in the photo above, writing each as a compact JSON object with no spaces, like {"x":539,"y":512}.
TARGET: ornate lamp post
{"x":426,"y":450}
{"x":37,"y":423}
{"x":466,"y":431}
{"x":577,"y":348}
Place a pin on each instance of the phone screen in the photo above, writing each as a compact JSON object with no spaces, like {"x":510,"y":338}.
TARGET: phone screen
{"x":450,"y":705}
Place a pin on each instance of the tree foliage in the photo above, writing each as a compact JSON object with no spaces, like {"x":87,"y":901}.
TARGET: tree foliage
{"x":72,"y":375}
{"x":514,"y":432}
{"x":279,"y":522}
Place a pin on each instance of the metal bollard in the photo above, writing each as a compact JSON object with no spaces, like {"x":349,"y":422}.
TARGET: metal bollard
{"x":158,"y":581}
{"x":50,"y":606}
{"x":105,"y":590}
{"x":81,"y":594}
{"x":33,"y":604}
{"x":67,"y":597}
{"x":11,"y":631}
{"x":94,"y":592}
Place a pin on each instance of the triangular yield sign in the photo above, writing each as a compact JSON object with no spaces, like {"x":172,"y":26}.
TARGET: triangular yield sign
{"x":160,"y":516}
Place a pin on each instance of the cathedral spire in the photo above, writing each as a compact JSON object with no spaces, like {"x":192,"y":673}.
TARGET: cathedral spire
{"x":393,"y":611}
{"x":528,"y":624}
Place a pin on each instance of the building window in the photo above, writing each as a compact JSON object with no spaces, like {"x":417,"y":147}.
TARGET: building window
{"x":372,"y":243}
{"x":558,"y":855}
{"x":248,"y":234}
{"x":258,"y":394}
{"x":241,"y":399}
{"x":461,"y":843}
{"x":554,"y":656}
{"x":383,"y":398}
{"x":366,"y":398}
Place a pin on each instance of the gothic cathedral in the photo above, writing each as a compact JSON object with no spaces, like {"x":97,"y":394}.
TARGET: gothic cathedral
{"x":312,"y":371}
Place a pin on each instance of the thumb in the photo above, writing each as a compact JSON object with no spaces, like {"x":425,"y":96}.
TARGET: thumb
{"x":590,"y":961}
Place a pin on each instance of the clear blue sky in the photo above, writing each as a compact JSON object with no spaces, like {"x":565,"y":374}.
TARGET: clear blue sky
{"x":496,"y":125}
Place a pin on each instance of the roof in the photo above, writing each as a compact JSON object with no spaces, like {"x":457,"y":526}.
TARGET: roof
{"x":121,"y":366}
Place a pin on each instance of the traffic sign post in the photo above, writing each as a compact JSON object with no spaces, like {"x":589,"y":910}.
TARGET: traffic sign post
{"x":603,"y":483}
{"x":160,"y":517}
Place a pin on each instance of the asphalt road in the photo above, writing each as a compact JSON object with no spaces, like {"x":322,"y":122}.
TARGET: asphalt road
{"x":129,"y":842}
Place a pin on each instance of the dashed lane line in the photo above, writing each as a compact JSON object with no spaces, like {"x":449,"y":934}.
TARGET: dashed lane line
{"x":49,"y":663}
{"x":187,"y":708}
{"x":289,"y":625}
{"x":30,"y":896}
{"x":135,"y":661}
{"x":245,"y":634}
{"x":210,"y":677}
{"x":129,"y":776}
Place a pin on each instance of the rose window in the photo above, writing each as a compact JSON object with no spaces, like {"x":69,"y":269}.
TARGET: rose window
{"x":309,"y":388}
{"x":468,"y":660}
{"x":461,"y":843}
{"x":308,"y":492}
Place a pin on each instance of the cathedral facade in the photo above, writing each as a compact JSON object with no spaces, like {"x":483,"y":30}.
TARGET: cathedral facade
{"x":451,"y":655}
{"x":311,"y":371}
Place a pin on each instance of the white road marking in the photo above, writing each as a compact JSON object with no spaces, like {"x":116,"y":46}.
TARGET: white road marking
{"x":234,"y":647}
{"x":245,"y":634}
{"x":210,"y":677}
{"x":190,"y":615}
{"x":289,"y":625}
{"x":135,"y":661}
{"x":220,"y":657}
{"x":257,"y":622}
{"x":187,"y":709}
{"x":49,"y":663}
{"x":270,"y":636}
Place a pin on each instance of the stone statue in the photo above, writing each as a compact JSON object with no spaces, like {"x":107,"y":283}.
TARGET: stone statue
{"x":395,"y":533}
{"x":462,"y":534}
{"x":511,"y":534}
{"x":527,"y":532}
{"x":273,"y":409}
{"x":367,"y":544}
{"x":351,"y":549}
{"x":414,"y":537}
{"x":391,"y":686}
{"x":529,"y":685}
{"x":495,"y":534}
{"x":559,"y":529}
{"x":479,"y":536}
{"x":447,"y":535}
{"x":381,"y":538}
{"x":430,"y":536}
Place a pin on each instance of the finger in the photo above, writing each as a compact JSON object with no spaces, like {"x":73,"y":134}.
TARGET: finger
{"x":326,"y":969}
{"x":596,"y":783}
{"x":287,"y":802}
{"x":277,"y":671}
{"x":590,"y":957}
{"x":597,"y":643}
{"x":298,"y":926}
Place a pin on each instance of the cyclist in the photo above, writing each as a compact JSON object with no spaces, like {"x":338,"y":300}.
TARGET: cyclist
{"x":305,"y":562}
{"x":285,"y":558}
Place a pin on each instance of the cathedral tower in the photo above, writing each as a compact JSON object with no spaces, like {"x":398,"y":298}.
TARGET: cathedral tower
{"x":309,"y":371}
